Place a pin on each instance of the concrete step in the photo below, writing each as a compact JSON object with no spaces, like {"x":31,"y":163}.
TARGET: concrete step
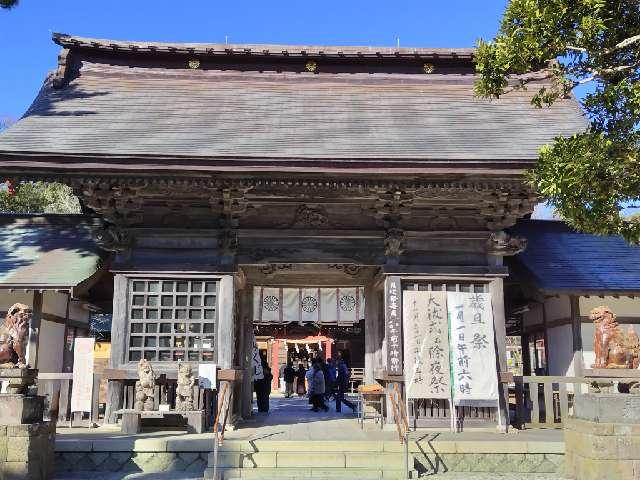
{"x":305,"y":473}
{"x":309,"y":459}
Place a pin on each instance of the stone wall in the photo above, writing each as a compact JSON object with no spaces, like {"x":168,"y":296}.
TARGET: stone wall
{"x":26,"y":451}
{"x":131,"y":462}
{"x":601,"y":451}
{"x":602,"y":439}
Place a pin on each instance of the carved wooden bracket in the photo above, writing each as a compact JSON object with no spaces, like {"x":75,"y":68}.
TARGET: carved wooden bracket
{"x":348,"y":268}
{"x":112,"y":239}
{"x":272,"y":268}
{"x":313,"y":217}
{"x":500,"y":243}
{"x":394,"y":243}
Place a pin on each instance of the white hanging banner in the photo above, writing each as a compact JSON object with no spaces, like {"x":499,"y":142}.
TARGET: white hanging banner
{"x":473,"y":355}
{"x":82,"y":374}
{"x":335,"y":306}
{"x":427,"y":372}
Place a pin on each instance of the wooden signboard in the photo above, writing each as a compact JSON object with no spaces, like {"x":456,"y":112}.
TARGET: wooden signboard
{"x":393,"y":324}
{"x":81,"y":394}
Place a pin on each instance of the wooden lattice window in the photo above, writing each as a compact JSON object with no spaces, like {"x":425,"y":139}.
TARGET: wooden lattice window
{"x":446,"y":286}
{"x":172,"y":319}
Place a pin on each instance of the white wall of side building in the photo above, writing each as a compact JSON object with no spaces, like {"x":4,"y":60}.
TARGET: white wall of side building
{"x":560,"y":336}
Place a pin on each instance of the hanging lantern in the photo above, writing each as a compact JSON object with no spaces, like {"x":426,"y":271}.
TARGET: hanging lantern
{"x":319,"y":345}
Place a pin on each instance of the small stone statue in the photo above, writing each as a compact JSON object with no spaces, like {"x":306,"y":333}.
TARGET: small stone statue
{"x":145,"y":387}
{"x":612,"y":347}
{"x":184,"y":390}
{"x":14,"y":335}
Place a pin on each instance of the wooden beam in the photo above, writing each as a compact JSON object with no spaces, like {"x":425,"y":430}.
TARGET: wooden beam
{"x":373,"y":324}
{"x":34,"y":329}
{"x":497,"y":301}
{"x":576,"y":331}
{"x":226,"y":318}
{"x":119,"y":321}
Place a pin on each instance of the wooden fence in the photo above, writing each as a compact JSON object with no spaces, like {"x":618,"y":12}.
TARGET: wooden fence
{"x":425,"y":413}
{"x":57,"y":389}
{"x":546,"y":401}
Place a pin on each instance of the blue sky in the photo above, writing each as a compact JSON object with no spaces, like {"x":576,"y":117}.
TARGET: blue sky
{"x":27,"y":53}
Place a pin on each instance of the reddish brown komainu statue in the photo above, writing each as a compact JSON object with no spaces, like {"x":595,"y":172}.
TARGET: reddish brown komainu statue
{"x":613,"y":348}
{"x":14,"y":336}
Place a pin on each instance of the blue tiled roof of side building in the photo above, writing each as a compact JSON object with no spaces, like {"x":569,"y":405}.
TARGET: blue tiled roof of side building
{"x":557,"y":258}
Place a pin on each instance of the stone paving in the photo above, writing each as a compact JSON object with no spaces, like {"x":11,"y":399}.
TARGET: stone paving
{"x":181,"y":476}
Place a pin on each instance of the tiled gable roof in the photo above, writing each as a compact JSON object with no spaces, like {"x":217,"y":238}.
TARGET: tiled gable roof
{"x":559,"y":259}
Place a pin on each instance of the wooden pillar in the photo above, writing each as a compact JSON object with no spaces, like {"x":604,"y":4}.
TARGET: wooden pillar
{"x":34,"y":330}
{"x":247,"y":350}
{"x":328,"y":350}
{"x":545,"y":336}
{"x":69,"y":336}
{"x":226,"y":331}
{"x":393,"y":336}
{"x":372,"y":333}
{"x":496,"y":290}
{"x":576,"y":330}
{"x":115,"y":388}
{"x":275,"y":364}
{"x":526,"y":354}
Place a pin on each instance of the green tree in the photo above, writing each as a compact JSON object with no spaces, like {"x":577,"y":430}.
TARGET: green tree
{"x":38,"y":197}
{"x":8,"y":3}
{"x":35,"y":197}
{"x":555,"y":46}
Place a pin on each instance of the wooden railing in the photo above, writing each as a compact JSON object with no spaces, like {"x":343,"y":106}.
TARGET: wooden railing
{"x":546,"y":401}
{"x":57,"y":389}
{"x":222,"y":415}
{"x":426,"y":413}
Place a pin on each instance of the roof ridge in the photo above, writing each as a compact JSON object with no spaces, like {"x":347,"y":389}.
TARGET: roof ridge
{"x":71,"y":41}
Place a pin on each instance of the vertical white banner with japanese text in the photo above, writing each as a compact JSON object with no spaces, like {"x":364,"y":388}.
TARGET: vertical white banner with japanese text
{"x":473,"y":354}
{"x":427,"y":372}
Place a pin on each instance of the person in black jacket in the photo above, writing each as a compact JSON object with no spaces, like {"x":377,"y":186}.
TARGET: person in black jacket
{"x":301,"y":377}
{"x":289,"y":376}
{"x":342,"y":381}
{"x":263,"y":388}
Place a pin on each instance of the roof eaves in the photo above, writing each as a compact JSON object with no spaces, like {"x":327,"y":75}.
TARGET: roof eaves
{"x":70,"y":41}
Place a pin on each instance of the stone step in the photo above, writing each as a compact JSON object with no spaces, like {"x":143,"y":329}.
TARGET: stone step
{"x":309,"y":446}
{"x":305,"y":473}
{"x":310,"y":459}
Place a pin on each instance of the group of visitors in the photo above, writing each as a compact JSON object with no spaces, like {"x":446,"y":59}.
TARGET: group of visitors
{"x":322,"y":381}
{"x":325,"y":380}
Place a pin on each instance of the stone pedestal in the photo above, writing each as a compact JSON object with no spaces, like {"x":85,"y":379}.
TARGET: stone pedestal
{"x":26,"y":441}
{"x":602,"y":438}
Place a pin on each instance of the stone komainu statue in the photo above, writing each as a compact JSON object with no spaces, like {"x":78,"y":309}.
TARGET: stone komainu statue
{"x":14,"y":335}
{"x":612,"y":347}
{"x":184,"y":389}
{"x":145,"y":386}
